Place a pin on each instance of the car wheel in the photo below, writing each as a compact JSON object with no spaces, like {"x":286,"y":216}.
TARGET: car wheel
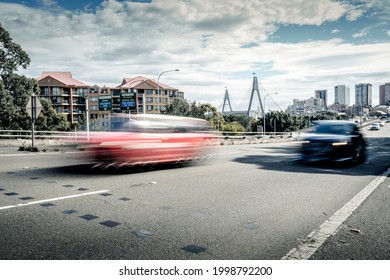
{"x":359,"y":154}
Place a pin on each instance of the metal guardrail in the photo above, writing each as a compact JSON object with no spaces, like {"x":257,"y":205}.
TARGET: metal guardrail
{"x":12,"y":134}
{"x":44,"y":138}
{"x":38,"y":134}
{"x":55,"y":138}
{"x":63,"y":138}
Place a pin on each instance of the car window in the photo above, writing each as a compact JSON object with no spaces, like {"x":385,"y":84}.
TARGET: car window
{"x":331,"y":129}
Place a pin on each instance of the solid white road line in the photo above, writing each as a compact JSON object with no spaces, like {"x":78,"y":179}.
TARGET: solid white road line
{"x":315,"y":239}
{"x":51,"y":199}
{"x":40,"y":154}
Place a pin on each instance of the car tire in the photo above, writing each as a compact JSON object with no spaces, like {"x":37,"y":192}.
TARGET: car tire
{"x":359,"y":154}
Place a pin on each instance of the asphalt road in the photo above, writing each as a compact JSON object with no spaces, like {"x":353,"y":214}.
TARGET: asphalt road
{"x":247,"y":202}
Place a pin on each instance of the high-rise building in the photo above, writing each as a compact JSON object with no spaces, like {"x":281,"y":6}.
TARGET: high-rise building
{"x":322,"y":94}
{"x":341,"y":95}
{"x":384,"y":94}
{"x":363,"y":94}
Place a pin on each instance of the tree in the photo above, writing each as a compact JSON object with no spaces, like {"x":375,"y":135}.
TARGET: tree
{"x":7,"y":108}
{"x":49,"y":119}
{"x":182,"y":107}
{"x":244,"y":120}
{"x":19,"y":88}
{"x":11,"y":54}
{"x":178,"y":107}
{"x":15,"y":90}
{"x":96,"y":124}
{"x":233,"y":127}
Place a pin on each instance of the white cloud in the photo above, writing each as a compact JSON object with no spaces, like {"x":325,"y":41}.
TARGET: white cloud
{"x":202,"y":38}
{"x":335,"y":31}
{"x":359,"y":34}
{"x":354,"y":14}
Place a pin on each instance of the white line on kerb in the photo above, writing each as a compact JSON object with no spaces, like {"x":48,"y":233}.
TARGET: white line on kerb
{"x":50,"y":199}
{"x":316,"y":238}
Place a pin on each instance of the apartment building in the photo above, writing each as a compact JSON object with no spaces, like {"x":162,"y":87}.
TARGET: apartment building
{"x":69,"y":96}
{"x":150,"y":97}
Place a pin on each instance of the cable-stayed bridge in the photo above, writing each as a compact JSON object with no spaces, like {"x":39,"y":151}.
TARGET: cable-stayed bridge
{"x":255,"y":99}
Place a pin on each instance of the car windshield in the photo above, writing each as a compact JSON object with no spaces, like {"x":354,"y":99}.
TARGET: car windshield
{"x":158,"y":123}
{"x":331,"y":129}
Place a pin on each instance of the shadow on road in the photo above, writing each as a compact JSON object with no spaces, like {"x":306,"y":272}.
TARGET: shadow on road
{"x":287,"y":159}
{"x":93,"y":169}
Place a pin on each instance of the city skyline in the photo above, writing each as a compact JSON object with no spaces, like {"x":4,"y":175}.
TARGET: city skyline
{"x":294,"y":49}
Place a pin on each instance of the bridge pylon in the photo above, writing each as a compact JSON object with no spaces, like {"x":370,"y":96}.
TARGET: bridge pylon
{"x":255,"y":88}
{"x":226,"y":99}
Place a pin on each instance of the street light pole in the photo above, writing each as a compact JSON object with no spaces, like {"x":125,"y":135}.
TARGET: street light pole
{"x":87,"y":113}
{"x":264,"y":111}
{"x":158,"y":88}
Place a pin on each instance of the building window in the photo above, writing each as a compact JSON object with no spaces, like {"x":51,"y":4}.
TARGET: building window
{"x":149,"y":108}
{"x":84,"y":91}
{"x":93,"y":99}
{"x":94,"y":108}
{"x":149,"y":91}
{"x":149,"y":99}
{"x":56,"y":91}
{"x":44,"y":91}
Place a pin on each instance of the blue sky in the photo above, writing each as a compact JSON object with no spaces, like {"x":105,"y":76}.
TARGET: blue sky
{"x":295,"y":47}
{"x":83,"y":5}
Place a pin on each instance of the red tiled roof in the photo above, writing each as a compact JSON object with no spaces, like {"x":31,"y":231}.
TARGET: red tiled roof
{"x":134,"y":82}
{"x":63,"y":77}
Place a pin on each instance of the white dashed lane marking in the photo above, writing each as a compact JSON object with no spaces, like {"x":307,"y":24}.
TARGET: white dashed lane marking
{"x":51,"y":199}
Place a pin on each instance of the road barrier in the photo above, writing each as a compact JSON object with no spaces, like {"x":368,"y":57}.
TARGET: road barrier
{"x":22,"y":138}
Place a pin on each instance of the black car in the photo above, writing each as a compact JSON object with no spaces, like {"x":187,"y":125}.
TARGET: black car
{"x":334,"y":141}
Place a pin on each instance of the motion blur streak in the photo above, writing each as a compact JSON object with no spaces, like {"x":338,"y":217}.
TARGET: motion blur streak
{"x":150,"y":139}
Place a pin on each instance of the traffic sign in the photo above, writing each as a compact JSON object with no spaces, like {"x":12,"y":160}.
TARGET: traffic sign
{"x":33,"y":107}
{"x":128,"y":101}
{"x":105,"y":103}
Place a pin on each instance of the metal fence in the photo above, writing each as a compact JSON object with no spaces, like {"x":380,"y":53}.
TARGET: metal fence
{"x":59,"y":138}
